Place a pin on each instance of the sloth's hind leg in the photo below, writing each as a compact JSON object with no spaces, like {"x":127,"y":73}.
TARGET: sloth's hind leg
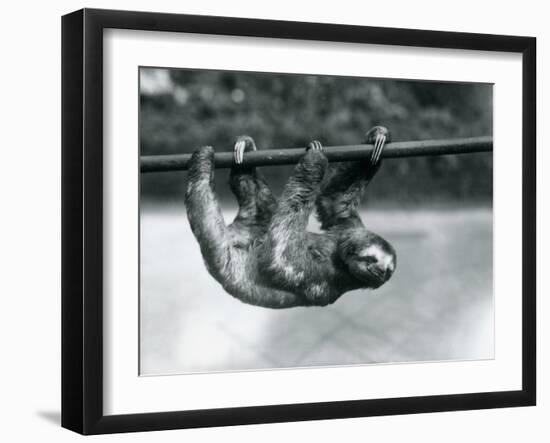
{"x":256,"y":202}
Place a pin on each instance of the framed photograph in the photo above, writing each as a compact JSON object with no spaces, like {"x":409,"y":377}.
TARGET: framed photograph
{"x":269,"y":221}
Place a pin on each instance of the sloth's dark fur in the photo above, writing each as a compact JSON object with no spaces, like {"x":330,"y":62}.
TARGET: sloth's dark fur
{"x":266,"y":257}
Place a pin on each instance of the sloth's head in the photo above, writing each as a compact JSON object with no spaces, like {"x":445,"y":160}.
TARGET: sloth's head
{"x":368,"y":257}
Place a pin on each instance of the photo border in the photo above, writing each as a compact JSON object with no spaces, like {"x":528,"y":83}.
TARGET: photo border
{"x":82,"y":220}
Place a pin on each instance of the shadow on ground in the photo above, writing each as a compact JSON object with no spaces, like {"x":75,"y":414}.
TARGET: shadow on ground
{"x":53,"y":417}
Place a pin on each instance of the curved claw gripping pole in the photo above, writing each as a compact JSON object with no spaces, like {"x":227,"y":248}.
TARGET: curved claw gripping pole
{"x":377,"y":136}
{"x":315,"y":145}
{"x":242,"y":144}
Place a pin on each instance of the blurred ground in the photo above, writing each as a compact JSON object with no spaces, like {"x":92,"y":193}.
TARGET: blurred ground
{"x":437,"y":306}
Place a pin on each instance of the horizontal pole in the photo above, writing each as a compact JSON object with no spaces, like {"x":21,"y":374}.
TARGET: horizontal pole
{"x":272,"y":157}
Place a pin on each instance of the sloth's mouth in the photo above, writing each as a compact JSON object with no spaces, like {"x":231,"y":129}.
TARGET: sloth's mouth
{"x":378,"y":277}
{"x":377,"y":273}
{"x":373,"y":277}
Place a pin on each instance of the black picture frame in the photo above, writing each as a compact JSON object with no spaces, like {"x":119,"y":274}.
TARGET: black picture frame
{"x":82,"y":221}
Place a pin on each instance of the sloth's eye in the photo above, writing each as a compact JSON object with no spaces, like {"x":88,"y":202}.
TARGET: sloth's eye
{"x":369,"y":259}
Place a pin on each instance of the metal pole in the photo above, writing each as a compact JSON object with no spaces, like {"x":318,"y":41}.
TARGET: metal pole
{"x":272,"y":157}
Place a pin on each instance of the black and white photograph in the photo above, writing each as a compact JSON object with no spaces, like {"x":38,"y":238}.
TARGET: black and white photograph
{"x":300,"y":220}
{"x":266,"y":222}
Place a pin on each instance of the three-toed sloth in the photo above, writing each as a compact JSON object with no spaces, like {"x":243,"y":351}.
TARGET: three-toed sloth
{"x":266,"y":257}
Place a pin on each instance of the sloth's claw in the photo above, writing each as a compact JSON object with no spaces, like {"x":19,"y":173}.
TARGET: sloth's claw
{"x":237,"y":151}
{"x":315,"y":145}
{"x":243,"y":143}
{"x":379,"y":143}
{"x":377,"y":136}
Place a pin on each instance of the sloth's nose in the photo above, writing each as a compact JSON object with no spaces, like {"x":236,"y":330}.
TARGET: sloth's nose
{"x":381,"y":263}
{"x":386,"y":267}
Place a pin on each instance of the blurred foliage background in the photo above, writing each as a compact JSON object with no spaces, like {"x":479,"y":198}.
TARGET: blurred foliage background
{"x":182,"y":109}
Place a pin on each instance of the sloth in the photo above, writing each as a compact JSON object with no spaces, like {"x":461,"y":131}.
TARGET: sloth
{"x":266,"y":256}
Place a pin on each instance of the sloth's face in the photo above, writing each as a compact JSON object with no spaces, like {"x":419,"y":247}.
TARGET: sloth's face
{"x":370,"y":258}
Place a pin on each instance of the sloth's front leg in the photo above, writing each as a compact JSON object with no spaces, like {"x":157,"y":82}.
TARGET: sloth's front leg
{"x":341,"y":193}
